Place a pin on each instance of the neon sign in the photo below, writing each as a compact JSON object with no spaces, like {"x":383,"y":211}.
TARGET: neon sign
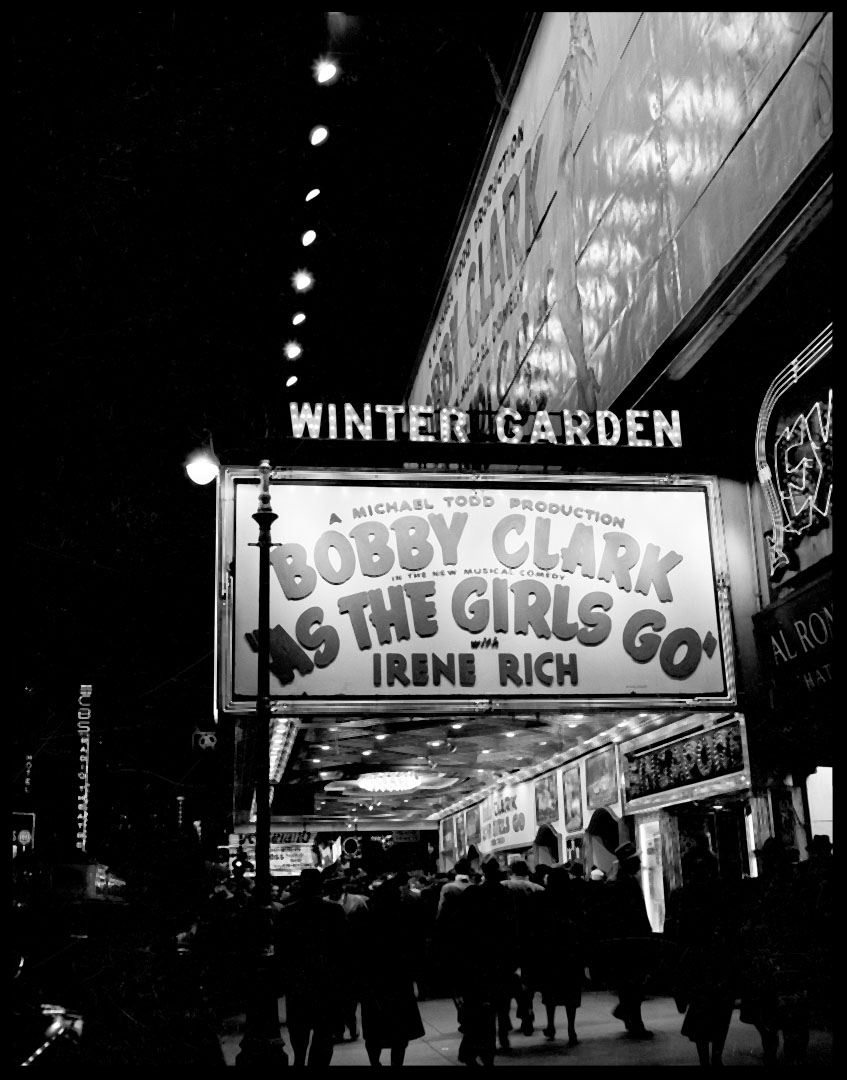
{"x":83,"y":726}
{"x":796,"y":474}
{"x":425,"y":423}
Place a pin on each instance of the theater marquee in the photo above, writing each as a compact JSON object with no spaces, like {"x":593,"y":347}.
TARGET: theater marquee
{"x":479,"y":592}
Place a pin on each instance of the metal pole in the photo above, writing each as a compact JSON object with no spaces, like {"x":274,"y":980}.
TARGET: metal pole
{"x":262,"y":1043}
{"x":264,"y":518}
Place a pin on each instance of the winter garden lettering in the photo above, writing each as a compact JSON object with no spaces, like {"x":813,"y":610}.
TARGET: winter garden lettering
{"x":425,"y":423}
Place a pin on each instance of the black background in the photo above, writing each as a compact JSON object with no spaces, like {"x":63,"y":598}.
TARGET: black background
{"x":160,"y":163}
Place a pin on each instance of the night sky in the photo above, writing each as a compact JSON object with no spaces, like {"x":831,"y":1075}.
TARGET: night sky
{"x":160,"y":164}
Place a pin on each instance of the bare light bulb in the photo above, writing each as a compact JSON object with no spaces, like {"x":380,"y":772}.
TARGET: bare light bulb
{"x":318,"y":135}
{"x":202,"y":467}
{"x":326,"y":71}
{"x":302,"y":281}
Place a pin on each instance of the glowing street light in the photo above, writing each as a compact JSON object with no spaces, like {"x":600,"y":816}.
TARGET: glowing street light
{"x":293,"y":349}
{"x":291,"y":380}
{"x":313,"y":194}
{"x":302,"y":281}
{"x":202,"y":466}
{"x":326,"y":71}
{"x":318,"y":135}
{"x":308,"y":237}
{"x":298,"y":318}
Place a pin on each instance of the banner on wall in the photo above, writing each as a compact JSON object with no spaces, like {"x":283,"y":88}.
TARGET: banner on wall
{"x":448,"y":842}
{"x":287,"y":859}
{"x":601,"y":779}
{"x":511,"y":820}
{"x":460,"y":834}
{"x":441,"y":589}
{"x":572,"y":788}
{"x":795,"y":638}
{"x":547,"y":799}
{"x":473,"y":826}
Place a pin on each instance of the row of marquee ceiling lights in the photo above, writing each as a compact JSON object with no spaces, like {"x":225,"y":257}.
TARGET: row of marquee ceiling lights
{"x":326,"y":72}
{"x":632,"y":726}
{"x":573,"y":721}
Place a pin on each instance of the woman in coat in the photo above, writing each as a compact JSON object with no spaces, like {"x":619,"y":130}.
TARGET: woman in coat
{"x":702,"y":923}
{"x":559,"y":953}
{"x":390,"y":1015}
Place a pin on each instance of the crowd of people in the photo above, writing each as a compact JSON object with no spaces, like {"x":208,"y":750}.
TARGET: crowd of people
{"x":489,"y":938}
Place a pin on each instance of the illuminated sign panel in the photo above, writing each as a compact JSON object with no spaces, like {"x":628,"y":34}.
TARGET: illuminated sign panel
{"x":687,"y":760}
{"x":443,"y":589}
{"x":638,"y":427}
{"x":688,"y":764}
{"x":288,"y":853}
{"x":608,"y":203}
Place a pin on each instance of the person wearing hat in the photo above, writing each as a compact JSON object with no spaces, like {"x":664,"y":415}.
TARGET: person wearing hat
{"x":526,"y":895}
{"x":390,"y":1014}
{"x":486,"y":975}
{"x":783,"y":963}
{"x":448,"y":937}
{"x":310,"y":945}
{"x":702,"y":930}
{"x":629,"y":938}
{"x":560,"y":949}
{"x":355,"y":910}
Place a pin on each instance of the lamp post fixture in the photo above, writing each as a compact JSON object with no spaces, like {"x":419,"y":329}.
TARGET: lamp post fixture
{"x":262,"y":1043}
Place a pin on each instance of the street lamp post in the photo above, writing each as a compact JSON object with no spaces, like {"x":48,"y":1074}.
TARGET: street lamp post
{"x":262,"y":1043}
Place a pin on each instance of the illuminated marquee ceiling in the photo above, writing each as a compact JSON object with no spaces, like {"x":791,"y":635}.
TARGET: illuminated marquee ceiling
{"x":455,"y":756}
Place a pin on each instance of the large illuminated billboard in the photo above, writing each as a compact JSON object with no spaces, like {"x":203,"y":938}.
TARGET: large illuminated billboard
{"x":637,"y":155}
{"x":395,"y":591}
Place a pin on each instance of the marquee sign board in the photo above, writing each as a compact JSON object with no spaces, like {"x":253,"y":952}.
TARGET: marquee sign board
{"x":684,"y":762}
{"x":482,"y":592}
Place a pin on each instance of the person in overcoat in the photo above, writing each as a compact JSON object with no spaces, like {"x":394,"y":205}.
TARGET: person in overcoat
{"x":780,"y":961}
{"x":628,"y":940}
{"x":489,"y":960}
{"x":390,"y":1015}
{"x":702,"y":926}
{"x":559,"y":949}
{"x":311,"y":935}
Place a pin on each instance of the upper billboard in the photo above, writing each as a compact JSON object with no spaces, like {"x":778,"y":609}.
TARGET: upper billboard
{"x":609,"y":202}
{"x":398,"y":593}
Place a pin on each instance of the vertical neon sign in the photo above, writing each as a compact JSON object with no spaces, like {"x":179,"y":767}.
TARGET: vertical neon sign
{"x":83,"y":727}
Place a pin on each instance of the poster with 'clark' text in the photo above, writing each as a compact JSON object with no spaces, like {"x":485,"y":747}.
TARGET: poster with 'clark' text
{"x":439,"y":589}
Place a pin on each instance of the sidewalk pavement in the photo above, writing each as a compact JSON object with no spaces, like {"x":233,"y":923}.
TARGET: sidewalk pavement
{"x":601,"y":1039}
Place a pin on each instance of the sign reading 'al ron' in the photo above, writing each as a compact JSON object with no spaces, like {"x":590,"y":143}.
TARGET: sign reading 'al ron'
{"x":386,"y":589}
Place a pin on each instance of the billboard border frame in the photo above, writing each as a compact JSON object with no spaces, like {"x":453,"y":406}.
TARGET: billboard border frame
{"x":227,"y":704}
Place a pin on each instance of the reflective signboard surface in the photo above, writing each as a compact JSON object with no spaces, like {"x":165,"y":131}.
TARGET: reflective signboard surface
{"x":446,"y":589}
